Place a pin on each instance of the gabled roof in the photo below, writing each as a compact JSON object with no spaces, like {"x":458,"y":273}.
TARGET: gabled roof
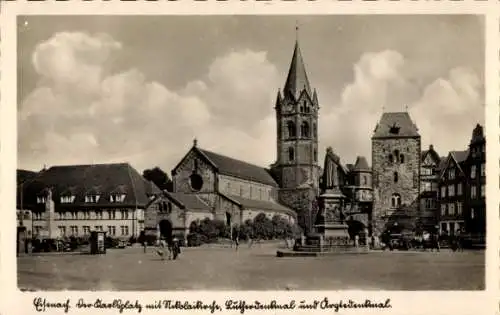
{"x":189,"y":201}
{"x":458,"y":157}
{"x":232,"y":167}
{"x":435,"y":156}
{"x":361,"y":164}
{"x":395,"y":125}
{"x":80,"y":180}
{"x":297,"y":80}
{"x":259,"y":204}
{"x":24,"y":175}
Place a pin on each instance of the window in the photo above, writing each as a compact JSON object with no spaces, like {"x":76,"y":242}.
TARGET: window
{"x":365,"y":180}
{"x":396,"y":155}
{"x":459,"y":208}
{"x":112,"y":230}
{"x":67,"y":199}
{"x":451,"y":209}
{"x":395,"y":177}
{"x":124,"y":230}
{"x":483,"y":169}
{"x":315,"y":130}
{"x":483,"y":190}
{"x":473,"y":172}
{"x":472,"y":213}
{"x":117,"y":198}
{"x":291,"y":129}
{"x":443,"y":209}
{"x":251,"y":192}
{"x":443,"y":191}
{"x":426,"y":186}
{"x":98,"y":228}
{"x":291,"y":154}
{"x":92,"y":198}
{"x":428,"y":203}
{"x":459,"y":189}
{"x":426,"y":171}
{"x":41,"y":199}
{"x":315,"y":155}
{"x":473,"y":192}
{"x":451,"y":190}
{"x":38,"y":229}
{"x":304,"y":129}
{"x":391,"y":158}
{"x":62,"y":230}
{"x":98,"y":214}
{"x":451,"y":173}
{"x":396,"y":201}
{"x":74,"y":230}
{"x":124,"y":214}
{"x":86,"y":230}
{"x":401,"y":158}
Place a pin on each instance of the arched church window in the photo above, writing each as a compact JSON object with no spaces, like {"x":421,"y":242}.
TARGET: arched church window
{"x":291,"y":154}
{"x":396,"y":177}
{"x":291,"y":129}
{"x":365,"y":181}
{"x":396,"y":200}
{"x":396,"y":155}
{"x":315,"y":131}
{"x":315,"y":155}
{"x":304,"y":129}
{"x":391,"y":158}
{"x":401,"y":158}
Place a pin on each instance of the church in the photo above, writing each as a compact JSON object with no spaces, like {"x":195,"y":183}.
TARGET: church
{"x":295,"y":186}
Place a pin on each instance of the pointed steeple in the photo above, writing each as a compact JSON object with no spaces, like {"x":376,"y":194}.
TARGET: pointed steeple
{"x":297,"y":80}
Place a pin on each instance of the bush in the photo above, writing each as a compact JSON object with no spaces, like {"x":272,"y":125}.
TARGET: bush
{"x":195,"y":239}
{"x":111,"y":242}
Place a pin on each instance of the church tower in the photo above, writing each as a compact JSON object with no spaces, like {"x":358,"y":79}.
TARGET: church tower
{"x":296,"y":167}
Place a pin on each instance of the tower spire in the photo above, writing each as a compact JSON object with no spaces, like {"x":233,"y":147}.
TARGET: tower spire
{"x":297,"y":80}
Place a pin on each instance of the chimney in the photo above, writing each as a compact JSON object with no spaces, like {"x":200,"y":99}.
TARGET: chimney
{"x":195,"y":142}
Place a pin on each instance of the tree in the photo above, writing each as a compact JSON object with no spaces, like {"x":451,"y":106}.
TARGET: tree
{"x":263,"y":226}
{"x":159,"y":178}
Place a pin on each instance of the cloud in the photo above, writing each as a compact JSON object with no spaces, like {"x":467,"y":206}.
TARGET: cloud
{"x":82,"y":113}
{"x":445,"y":110}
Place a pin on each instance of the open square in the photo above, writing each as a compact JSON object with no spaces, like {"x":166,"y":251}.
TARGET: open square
{"x":256,"y":268}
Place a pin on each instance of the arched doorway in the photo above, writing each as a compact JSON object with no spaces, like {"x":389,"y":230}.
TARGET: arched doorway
{"x":166,"y":229}
{"x":355,"y":227}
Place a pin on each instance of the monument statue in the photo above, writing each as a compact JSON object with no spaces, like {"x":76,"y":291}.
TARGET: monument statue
{"x":331,"y":178}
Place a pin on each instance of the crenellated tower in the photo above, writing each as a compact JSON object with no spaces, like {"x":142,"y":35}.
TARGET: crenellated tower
{"x":296,"y":167}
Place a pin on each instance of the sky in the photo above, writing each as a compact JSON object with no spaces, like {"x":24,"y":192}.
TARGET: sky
{"x":139,"y":89}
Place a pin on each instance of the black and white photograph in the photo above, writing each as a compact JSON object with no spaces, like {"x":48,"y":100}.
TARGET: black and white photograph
{"x":251,"y":152}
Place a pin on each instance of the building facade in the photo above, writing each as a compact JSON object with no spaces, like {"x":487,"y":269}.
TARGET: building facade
{"x":453,"y":193}
{"x":429,"y":188}
{"x":75,"y":200}
{"x":396,"y":156}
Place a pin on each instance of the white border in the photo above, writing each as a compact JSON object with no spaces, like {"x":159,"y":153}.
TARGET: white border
{"x":403,"y":302}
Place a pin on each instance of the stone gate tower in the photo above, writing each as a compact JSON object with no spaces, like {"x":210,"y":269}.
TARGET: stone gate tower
{"x":396,"y":152}
{"x":296,"y":167}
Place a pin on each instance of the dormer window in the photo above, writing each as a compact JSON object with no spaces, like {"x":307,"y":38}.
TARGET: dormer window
{"x":41,"y":199}
{"x":92,"y":198}
{"x":117,"y":198}
{"x":68,"y":199}
{"x":394,"y":129}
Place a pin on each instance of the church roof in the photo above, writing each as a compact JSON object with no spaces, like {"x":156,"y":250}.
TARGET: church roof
{"x":81,"y":180}
{"x":361,"y":164}
{"x":237,"y":168}
{"x":297,"y":79}
{"x":259,"y":204}
{"x":395,"y":125}
{"x":189,"y":201}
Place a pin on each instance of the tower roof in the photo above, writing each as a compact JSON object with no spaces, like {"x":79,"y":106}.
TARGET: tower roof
{"x":395,"y":125}
{"x":297,"y":76}
{"x":361,"y":164}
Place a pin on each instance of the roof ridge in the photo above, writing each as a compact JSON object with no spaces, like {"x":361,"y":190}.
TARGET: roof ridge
{"x":232,"y":158}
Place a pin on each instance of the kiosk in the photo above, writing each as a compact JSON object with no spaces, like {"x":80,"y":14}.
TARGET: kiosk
{"x":97,"y":242}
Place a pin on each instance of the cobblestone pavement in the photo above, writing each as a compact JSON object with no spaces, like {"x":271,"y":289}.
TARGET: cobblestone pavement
{"x":257,"y":268}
